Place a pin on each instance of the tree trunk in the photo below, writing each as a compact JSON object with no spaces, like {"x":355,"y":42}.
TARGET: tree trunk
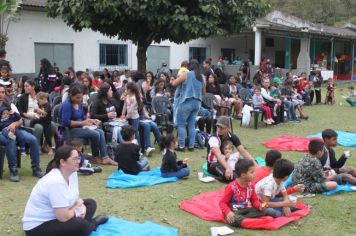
{"x":141,"y":56}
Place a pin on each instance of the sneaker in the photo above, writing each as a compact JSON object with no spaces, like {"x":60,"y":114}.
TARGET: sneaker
{"x":296,"y":121}
{"x":14,"y":176}
{"x":97,"y":169}
{"x":37,"y":172}
{"x":85,"y":171}
{"x":23,"y":153}
{"x":149,"y":151}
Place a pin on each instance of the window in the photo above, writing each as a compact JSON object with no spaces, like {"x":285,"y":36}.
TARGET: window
{"x":198,"y":53}
{"x":113,"y":55}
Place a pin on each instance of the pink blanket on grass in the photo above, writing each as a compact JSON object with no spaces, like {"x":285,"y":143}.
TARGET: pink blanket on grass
{"x":206,"y":207}
{"x":288,"y":143}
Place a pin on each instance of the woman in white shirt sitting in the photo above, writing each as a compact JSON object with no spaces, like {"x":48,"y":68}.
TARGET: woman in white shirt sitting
{"x":54,"y":207}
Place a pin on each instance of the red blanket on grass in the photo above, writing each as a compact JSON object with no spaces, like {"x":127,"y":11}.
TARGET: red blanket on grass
{"x":206,"y":207}
{"x":288,"y":143}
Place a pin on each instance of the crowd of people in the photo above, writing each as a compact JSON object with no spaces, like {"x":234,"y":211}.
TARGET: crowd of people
{"x":103,"y":109}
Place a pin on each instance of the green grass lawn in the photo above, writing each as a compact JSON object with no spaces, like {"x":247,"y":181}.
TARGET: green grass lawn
{"x":333,"y":215}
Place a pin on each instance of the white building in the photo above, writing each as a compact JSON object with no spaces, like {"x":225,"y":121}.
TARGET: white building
{"x":288,"y":41}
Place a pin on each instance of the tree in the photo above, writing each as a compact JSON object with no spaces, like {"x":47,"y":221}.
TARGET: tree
{"x":147,"y":21}
{"x":8,"y":13}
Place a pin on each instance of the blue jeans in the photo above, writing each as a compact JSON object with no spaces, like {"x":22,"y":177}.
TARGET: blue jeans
{"x":184,"y":172}
{"x":134,"y":123}
{"x":31,"y":140}
{"x":96,"y":137}
{"x":143,"y":163}
{"x":147,"y":127}
{"x":291,"y":110}
{"x":277,"y":212}
{"x":10,"y":146}
{"x":187,"y":111}
{"x":119,"y":136}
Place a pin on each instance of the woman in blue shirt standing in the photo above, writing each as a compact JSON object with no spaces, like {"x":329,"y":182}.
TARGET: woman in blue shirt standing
{"x":191,"y":90}
{"x":73,"y":116}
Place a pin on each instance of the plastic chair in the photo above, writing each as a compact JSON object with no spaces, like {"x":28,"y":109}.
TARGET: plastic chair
{"x":161,"y":108}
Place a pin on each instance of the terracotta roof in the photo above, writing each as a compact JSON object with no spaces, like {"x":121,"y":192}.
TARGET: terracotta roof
{"x":34,"y":3}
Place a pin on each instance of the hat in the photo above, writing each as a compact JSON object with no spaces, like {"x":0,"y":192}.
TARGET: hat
{"x":224,"y":122}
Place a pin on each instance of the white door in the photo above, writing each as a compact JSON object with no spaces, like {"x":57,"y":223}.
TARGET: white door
{"x":155,"y":56}
{"x":58,"y":53}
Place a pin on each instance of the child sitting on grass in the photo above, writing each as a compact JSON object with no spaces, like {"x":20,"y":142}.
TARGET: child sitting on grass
{"x":128,"y":155}
{"x":170,"y":166}
{"x":240,"y":200}
{"x":85,"y":167}
{"x":269,"y":187}
{"x":231,"y":158}
{"x":309,"y":171}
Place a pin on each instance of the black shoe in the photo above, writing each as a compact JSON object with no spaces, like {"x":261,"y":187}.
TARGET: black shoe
{"x":179,"y":149}
{"x":99,"y":220}
{"x":14,"y":176}
{"x":191,"y":149}
{"x":37,"y":172}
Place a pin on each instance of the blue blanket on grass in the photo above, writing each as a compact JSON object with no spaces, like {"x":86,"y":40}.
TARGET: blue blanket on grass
{"x":344,"y":138}
{"x":119,"y":179}
{"x":119,"y":227}
{"x":341,"y":188}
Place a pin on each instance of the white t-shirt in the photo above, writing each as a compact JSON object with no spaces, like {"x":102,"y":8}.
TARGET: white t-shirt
{"x":268,"y":187}
{"x":234,"y":157}
{"x":51,"y":191}
{"x":213,"y":143}
{"x":32,"y":104}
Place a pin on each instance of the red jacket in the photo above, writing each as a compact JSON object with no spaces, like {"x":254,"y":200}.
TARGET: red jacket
{"x":243,"y":197}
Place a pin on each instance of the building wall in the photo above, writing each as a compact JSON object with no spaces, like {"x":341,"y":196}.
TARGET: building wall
{"x":35,"y":27}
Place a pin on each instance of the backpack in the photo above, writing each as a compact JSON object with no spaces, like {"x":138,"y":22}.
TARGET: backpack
{"x":201,"y":138}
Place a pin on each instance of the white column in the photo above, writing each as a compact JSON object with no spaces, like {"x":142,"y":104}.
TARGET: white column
{"x":303,"y":61}
{"x":258,"y":44}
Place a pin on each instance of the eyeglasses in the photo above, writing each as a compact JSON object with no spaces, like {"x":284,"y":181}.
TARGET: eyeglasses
{"x":76,"y":159}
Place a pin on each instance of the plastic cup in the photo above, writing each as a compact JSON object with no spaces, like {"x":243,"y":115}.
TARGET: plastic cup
{"x":347,"y":153}
{"x":200,"y":175}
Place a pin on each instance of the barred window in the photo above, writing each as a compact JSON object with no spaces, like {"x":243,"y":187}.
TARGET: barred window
{"x":113,"y":55}
{"x":198,"y":53}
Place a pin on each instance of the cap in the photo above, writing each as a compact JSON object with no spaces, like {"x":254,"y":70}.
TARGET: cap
{"x":224,"y":122}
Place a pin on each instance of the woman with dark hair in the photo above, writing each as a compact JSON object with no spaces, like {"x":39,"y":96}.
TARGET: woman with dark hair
{"x":189,"y":102}
{"x":47,"y":78}
{"x":105,"y":107}
{"x":105,"y":74}
{"x":28,"y":109}
{"x":73,"y":116}
{"x":54,"y":206}
{"x":149,"y":78}
{"x":245,"y":68}
{"x":102,"y":108}
{"x":220,"y":75}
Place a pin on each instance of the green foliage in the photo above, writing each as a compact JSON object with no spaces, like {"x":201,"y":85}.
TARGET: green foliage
{"x":157,"y":20}
{"x":319,"y":11}
{"x":8,"y":13}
